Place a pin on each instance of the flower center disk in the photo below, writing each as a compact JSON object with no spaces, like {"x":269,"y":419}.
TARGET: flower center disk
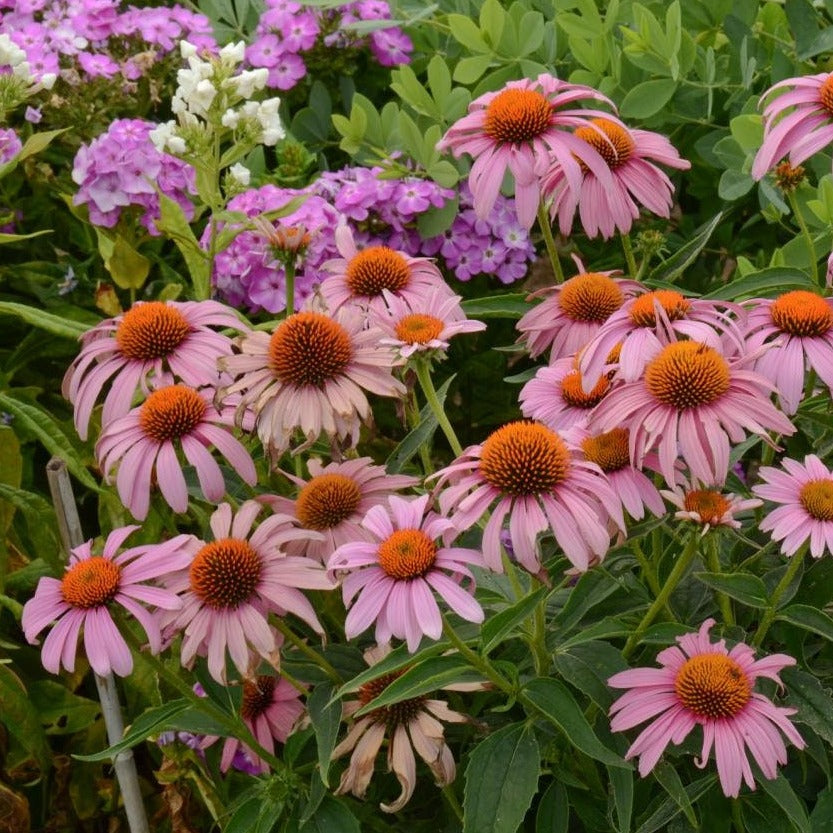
{"x":309,"y":349}
{"x":151,"y":330}
{"x":375,"y":269}
{"x":418,"y":328}
{"x":609,"y":451}
{"x":826,"y":94}
{"x":801,"y":313}
{"x":91,"y":582}
{"x":524,"y":458}
{"x":225,"y":573}
{"x":590,"y":297}
{"x":710,"y":505}
{"x":712,"y":686}
{"x":407,"y":553}
{"x":257,"y":696}
{"x":643,"y":313}
{"x":572,"y":393}
{"x":327,"y":500}
{"x":817,"y":499}
{"x":515,"y":116}
{"x":687,"y":374}
{"x":172,"y":412}
{"x":395,"y":714}
{"x":611,"y":141}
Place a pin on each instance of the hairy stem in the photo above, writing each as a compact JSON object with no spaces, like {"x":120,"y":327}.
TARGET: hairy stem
{"x":552,"y":251}
{"x":423,"y":373}
{"x":769,"y":615}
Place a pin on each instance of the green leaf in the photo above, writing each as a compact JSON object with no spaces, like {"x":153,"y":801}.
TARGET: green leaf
{"x":621,"y":781}
{"x":511,"y":305}
{"x":607,"y":628}
{"x":588,"y":667}
{"x":11,"y":472}
{"x":734,"y":184}
{"x":556,"y":703}
{"x":670,"y":781}
{"x":436,"y":220}
{"x":49,"y":433}
{"x":501,"y":779}
{"x":21,"y":718}
{"x":5,"y":237}
{"x":61,"y":711}
{"x":780,"y":790}
{"x":469,"y":69}
{"x":332,"y":816}
{"x":809,"y":618}
{"x":746,"y":588}
{"x":174,"y":224}
{"x":128,"y":268}
{"x":553,"y":814}
{"x":58,"y":326}
{"x":765,"y":283}
{"x":325,"y":716}
{"x":500,"y":625}
{"x":686,"y":254}
{"x":466,"y":31}
{"x":591,"y":589}
{"x":814,"y":703}
{"x":647,"y":98}
{"x":821,"y":819}
{"x":38,"y":142}
{"x":423,"y":678}
{"x":670,"y":809}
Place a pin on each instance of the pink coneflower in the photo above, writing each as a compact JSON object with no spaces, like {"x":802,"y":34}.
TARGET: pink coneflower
{"x":797,"y":123}
{"x":411,"y":725}
{"x":708,"y":507}
{"x":234,"y":582}
{"x":144,"y":445}
{"x":82,"y":598}
{"x":311,"y":375}
{"x":147,"y":345}
{"x":573,"y":312}
{"x":270,"y":708}
{"x":611,"y":453}
{"x":424,"y":326}
{"x":798,"y":327}
{"x":805,"y":493}
{"x":393,"y":578}
{"x":701,"y":682}
{"x":519,"y":128}
{"x":603,"y":207}
{"x":646,"y":323}
{"x":361,"y":277}
{"x":531,"y":474}
{"x":692,"y":401}
{"x":334,"y":501}
{"x":555,"y":396}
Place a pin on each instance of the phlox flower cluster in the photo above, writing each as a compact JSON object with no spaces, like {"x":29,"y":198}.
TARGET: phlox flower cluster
{"x":287,"y":30}
{"x":10,"y":144}
{"x":122,"y":169}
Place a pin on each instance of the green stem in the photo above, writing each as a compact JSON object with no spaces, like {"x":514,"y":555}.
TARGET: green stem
{"x":647,"y":568}
{"x":540,"y":654}
{"x":552,"y":250}
{"x":453,"y":802}
{"x":772,"y":608}
{"x":476,"y":661}
{"x":423,"y":373}
{"x":289,"y":270}
{"x":629,"y":258}
{"x":713,"y":562}
{"x":737,"y":819}
{"x":808,"y":238}
{"x":679,"y":570}
{"x":302,"y":646}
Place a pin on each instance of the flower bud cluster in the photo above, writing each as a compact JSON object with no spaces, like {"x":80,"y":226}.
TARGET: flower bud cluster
{"x":17,"y":82}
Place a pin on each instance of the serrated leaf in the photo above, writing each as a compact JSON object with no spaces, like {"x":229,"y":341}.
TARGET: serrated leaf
{"x":63,"y":327}
{"x":814,"y":703}
{"x":746,"y":588}
{"x":501,"y":779}
{"x":555,"y":702}
{"x":325,"y":716}
{"x":500,"y":625}
{"x":21,"y":718}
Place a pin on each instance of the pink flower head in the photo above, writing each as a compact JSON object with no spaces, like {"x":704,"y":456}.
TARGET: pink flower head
{"x":413,"y":726}
{"x":89,"y":586}
{"x":393,"y":578}
{"x":142,"y":348}
{"x":605,"y":207}
{"x":797,"y":123}
{"x":693,"y":401}
{"x":528,"y":471}
{"x":311,"y":375}
{"x":645,"y":323}
{"x":522,"y":127}
{"x":805,"y":493}
{"x":701,"y":682}
{"x":573,"y":312}
{"x":797,"y":327}
{"x":334,"y":501}
{"x":234,"y":582}
{"x":270,"y":708}
{"x":362,"y":277}
{"x":708,"y":507}
{"x":555,"y":395}
{"x":426,"y":325}
{"x":144,"y":443}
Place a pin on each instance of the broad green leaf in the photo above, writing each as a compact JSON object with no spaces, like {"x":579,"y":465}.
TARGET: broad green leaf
{"x":21,"y":718}
{"x":38,"y":142}
{"x":809,"y":618}
{"x":61,"y":711}
{"x":471,"y":68}
{"x":11,"y":471}
{"x":325,"y":716}
{"x":57,"y":325}
{"x":466,"y":31}
{"x":500,"y":625}
{"x":497,"y":306}
{"x":332,"y":816}
{"x":746,"y":588}
{"x":128,"y":268}
{"x":781,"y":791}
{"x":436,"y":220}
{"x":501,"y":779}
{"x":670,"y":781}
{"x":678,"y":262}
{"x":765,"y":283}
{"x":607,"y":628}
{"x":670,"y":809}
{"x":588,"y":667}
{"x":553,"y":814}
{"x":734,"y":184}
{"x":555,"y":702}
{"x":174,"y":224}
{"x":814,"y":703}
{"x":821,"y":819}
{"x":647,"y":98}
{"x":590,"y":590}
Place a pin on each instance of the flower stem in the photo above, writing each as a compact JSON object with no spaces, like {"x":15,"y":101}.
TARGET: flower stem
{"x":423,"y":373}
{"x":802,"y":224}
{"x":289,"y":271}
{"x":476,"y":661}
{"x":453,"y":802}
{"x":772,"y":608}
{"x":713,"y":562}
{"x":552,"y":250}
{"x":310,"y":652}
{"x":679,"y":570}
{"x":629,"y":258}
